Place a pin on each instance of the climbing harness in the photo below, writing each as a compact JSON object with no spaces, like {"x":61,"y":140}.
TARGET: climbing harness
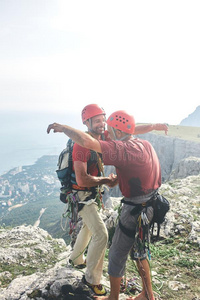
{"x":141,"y":237}
{"x":73,"y":207}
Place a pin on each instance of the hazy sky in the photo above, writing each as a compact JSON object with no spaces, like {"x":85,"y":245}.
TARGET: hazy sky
{"x":142,"y":56}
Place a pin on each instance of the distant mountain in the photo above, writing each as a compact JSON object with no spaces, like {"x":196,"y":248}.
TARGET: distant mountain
{"x":193,"y":119}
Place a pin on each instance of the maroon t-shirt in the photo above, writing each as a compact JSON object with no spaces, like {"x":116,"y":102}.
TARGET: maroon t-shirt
{"x":84,"y":155}
{"x":136,"y":163}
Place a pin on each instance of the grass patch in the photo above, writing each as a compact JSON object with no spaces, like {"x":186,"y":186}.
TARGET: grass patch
{"x":187,"y":263}
{"x":183,"y":132}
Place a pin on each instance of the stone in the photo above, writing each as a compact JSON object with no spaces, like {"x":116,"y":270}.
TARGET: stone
{"x":176,"y":285}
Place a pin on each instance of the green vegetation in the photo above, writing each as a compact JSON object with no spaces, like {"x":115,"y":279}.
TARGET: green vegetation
{"x":50,"y":220}
{"x":183,"y":132}
{"x":173,"y":259}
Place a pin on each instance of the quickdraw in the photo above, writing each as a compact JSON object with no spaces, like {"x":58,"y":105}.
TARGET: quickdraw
{"x":142,"y":238}
{"x":71,"y":212}
{"x":99,"y":198}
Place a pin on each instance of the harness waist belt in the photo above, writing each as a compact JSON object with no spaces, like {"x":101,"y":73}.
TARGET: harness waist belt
{"x":78,"y":188}
{"x":140,"y":199}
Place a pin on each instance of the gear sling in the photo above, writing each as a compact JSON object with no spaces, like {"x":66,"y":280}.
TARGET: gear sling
{"x":160,"y":206}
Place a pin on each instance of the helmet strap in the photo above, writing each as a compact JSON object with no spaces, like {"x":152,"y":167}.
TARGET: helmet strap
{"x":113,"y":131}
{"x":90,"y":122}
{"x":123,"y":138}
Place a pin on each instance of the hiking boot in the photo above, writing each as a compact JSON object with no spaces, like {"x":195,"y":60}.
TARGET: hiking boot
{"x":98,"y":289}
{"x":81,"y":266}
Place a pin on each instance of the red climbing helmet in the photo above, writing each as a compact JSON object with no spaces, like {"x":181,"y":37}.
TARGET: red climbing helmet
{"x":90,"y":111}
{"x":123,"y":121}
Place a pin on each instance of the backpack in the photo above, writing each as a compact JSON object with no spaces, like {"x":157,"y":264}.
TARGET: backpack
{"x":64,"y":171}
{"x":161,"y":206}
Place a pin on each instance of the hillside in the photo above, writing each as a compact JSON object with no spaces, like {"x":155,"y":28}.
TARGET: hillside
{"x":30,"y":195}
{"x":188,"y":133}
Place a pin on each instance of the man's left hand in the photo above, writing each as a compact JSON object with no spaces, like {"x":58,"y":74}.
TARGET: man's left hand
{"x":55,"y":127}
{"x":160,"y":126}
{"x":113,"y":180}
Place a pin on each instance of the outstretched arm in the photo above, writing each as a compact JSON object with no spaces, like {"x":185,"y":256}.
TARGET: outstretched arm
{"x":83,"y":139}
{"x":140,"y":129}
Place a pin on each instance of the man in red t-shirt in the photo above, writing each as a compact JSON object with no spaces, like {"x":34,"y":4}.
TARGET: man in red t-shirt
{"x":90,"y":177}
{"x":138,"y":171}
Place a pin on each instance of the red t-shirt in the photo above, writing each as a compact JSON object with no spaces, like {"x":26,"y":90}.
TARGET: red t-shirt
{"x":136,"y":163}
{"x":82,"y":154}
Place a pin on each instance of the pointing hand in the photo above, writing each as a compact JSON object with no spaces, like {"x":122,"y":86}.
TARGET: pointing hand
{"x":55,"y":127}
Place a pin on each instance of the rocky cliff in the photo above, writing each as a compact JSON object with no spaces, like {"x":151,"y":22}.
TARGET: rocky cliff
{"x":171,"y":151}
{"x":186,"y":167}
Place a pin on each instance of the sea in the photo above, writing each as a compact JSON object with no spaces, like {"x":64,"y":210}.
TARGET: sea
{"x":24,"y":138}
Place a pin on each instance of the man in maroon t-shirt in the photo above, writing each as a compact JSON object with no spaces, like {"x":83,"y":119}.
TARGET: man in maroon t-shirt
{"x":139,"y":176}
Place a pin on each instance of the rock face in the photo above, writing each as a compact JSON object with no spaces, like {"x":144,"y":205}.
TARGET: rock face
{"x":184,"y":215}
{"x":29,"y":244}
{"x":187,"y":167}
{"x":178,"y":158}
{"x":193,"y":119}
{"x":33,"y":249}
{"x":171,"y":151}
{"x":29,"y":249}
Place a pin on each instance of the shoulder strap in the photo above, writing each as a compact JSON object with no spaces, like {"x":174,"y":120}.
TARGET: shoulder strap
{"x":103,"y":137}
{"x":100,"y":164}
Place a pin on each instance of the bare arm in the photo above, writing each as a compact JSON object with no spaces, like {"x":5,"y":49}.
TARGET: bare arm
{"x":83,"y":139}
{"x":86,"y":180}
{"x":140,"y":129}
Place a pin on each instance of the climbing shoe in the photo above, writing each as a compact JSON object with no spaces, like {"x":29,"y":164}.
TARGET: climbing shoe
{"x":98,"y":289}
{"x":81,"y":266}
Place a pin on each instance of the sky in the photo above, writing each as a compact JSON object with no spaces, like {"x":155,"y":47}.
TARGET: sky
{"x":140,"y":56}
